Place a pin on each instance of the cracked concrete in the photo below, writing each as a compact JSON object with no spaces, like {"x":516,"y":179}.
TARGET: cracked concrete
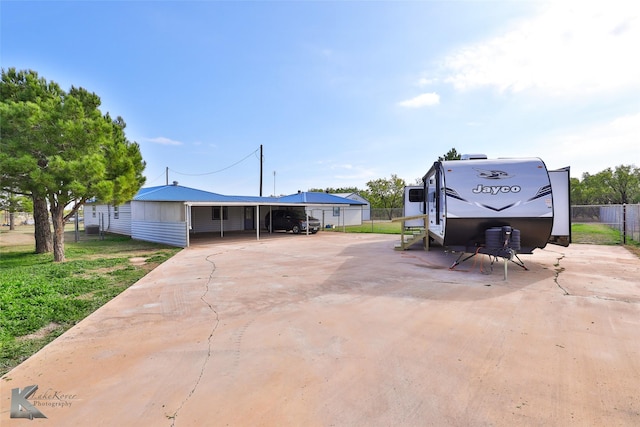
{"x":209,"y":339}
{"x":559,"y":270}
{"x":337,"y":329}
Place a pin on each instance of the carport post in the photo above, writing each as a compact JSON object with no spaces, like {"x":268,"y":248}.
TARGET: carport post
{"x":187,"y":217}
{"x":257,"y":222}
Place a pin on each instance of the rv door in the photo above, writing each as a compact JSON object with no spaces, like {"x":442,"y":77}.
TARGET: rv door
{"x":560,"y":191}
{"x":414,"y":205}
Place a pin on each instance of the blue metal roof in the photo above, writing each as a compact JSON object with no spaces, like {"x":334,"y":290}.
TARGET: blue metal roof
{"x":177,"y":193}
{"x":318,"y":198}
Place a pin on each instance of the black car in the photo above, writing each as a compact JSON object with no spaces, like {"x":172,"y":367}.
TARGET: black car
{"x":291,"y":220}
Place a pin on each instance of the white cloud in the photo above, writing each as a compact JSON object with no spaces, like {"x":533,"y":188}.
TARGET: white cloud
{"x":423,"y":100}
{"x":570,"y":48}
{"x":596,"y":147}
{"x":163,"y":141}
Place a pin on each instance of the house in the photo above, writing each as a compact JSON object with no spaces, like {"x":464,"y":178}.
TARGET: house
{"x":172,"y":214}
{"x":365,"y":209}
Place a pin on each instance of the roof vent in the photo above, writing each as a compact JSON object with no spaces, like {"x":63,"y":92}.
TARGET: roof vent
{"x":473,"y":157}
{"x":175,"y":183}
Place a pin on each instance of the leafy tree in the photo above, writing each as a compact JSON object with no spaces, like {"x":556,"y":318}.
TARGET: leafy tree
{"x":60,"y":147}
{"x":624,"y":183}
{"x":619,"y":185}
{"x":451,"y":155}
{"x":386,"y":193}
{"x":577,"y":192}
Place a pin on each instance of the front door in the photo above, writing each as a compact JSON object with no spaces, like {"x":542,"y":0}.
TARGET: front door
{"x":249,"y":218}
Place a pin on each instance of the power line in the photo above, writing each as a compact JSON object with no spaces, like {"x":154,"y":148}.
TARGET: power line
{"x":155,"y":179}
{"x":219,"y":170}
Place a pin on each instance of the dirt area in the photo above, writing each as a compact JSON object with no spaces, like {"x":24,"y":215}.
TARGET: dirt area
{"x":337,"y":329}
{"x":23,"y":236}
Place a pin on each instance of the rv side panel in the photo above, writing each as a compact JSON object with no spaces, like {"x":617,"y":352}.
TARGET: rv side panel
{"x":561,"y":188}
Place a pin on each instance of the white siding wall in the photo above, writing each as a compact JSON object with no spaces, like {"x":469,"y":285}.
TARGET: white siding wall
{"x":95,"y":213}
{"x":91,"y":216}
{"x":170,"y":233}
{"x":352,"y":215}
{"x":202,"y":222}
{"x":157,"y":211}
{"x":365,"y":210}
{"x":349,"y":215}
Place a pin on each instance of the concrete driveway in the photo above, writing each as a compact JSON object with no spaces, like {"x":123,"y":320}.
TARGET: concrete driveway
{"x":341,"y":330}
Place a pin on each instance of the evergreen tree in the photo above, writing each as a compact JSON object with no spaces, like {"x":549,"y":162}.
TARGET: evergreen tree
{"x":59,"y":148}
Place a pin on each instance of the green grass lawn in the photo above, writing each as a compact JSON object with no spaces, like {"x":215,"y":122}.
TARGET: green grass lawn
{"x":40,"y":299}
{"x":378,"y":227}
{"x":598,"y":234}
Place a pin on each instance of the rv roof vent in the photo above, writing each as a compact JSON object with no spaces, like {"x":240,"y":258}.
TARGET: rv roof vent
{"x":473,"y":157}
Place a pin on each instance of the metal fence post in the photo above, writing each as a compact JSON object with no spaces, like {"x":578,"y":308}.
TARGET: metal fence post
{"x":624,"y":223}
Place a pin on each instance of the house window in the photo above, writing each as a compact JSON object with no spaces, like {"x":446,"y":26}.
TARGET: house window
{"x":215,"y":213}
{"x":116,"y":212}
{"x":336,"y":211}
{"x":93,"y":211}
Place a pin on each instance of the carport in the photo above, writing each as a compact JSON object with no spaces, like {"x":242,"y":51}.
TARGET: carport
{"x":172,"y":214}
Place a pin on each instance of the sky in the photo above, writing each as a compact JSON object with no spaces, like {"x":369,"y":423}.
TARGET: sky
{"x":340,"y":93}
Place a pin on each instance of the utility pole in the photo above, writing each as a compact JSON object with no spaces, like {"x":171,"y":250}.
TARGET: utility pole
{"x":166,"y":175}
{"x":261,"y":170}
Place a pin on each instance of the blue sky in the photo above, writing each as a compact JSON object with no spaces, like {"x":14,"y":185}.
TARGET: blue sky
{"x":343,"y":92}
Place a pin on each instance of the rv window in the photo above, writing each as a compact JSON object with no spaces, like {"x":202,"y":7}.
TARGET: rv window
{"x":416,"y":195}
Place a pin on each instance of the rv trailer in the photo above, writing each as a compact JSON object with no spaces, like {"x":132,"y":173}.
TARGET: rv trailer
{"x":477,"y":205}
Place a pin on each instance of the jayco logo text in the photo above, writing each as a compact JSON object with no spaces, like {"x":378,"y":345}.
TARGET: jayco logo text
{"x":496,"y":189}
